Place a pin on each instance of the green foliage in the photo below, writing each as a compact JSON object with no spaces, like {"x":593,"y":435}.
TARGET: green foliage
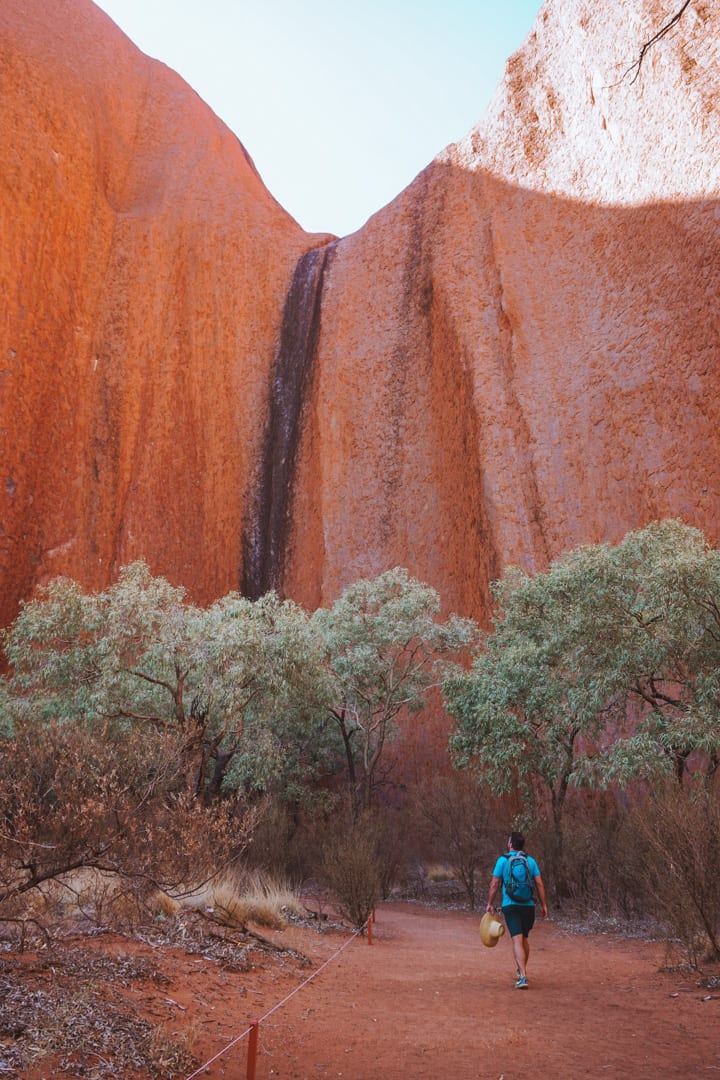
{"x":602,"y":670}
{"x":224,"y":679}
{"x":245,"y":687}
{"x":133,"y":711}
{"x":384,"y":649}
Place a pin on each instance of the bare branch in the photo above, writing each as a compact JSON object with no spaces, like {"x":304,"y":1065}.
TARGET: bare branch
{"x":172,"y":690}
{"x":649,"y":44}
{"x":126,"y":714}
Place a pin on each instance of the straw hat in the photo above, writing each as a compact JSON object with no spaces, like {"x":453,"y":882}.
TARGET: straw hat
{"x":492,"y":928}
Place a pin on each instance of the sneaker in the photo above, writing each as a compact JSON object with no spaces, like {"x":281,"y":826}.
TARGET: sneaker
{"x":521,"y":983}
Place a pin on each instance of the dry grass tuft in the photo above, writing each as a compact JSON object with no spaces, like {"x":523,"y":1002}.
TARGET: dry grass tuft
{"x":102,"y":898}
{"x":238,"y":899}
{"x":161,"y":903}
{"x":440,"y":873}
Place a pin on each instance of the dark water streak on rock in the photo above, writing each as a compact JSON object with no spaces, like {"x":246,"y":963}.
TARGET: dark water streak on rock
{"x":265,"y":541}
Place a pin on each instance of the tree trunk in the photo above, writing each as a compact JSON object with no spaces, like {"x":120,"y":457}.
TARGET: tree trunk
{"x":339,"y":718}
{"x":220,"y":768}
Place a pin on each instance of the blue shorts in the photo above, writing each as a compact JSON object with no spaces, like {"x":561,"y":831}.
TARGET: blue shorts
{"x":520,"y":918}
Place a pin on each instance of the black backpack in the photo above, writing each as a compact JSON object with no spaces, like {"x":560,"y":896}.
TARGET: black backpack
{"x":518,"y":880}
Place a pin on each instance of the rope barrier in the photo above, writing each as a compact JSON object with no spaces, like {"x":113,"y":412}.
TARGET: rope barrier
{"x":220,"y":1053}
{"x":254,"y":1025}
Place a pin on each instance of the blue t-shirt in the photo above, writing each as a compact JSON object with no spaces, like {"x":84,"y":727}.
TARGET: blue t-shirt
{"x":501,"y":867}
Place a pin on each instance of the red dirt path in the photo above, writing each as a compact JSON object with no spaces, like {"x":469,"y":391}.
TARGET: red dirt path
{"x":427,"y":1000}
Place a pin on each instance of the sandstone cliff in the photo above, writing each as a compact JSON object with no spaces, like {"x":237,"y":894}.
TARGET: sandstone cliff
{"x":520,"y":354}
{"x":142,"y":273}
{"x":517,"y":355}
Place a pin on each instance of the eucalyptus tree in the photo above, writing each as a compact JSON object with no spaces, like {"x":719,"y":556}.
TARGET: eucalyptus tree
{"x":384,"y":648}
{"x":604,"y":669}
{"x":141,"y":654}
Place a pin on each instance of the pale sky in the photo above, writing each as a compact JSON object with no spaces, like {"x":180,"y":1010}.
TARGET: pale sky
{"x":339,"y":104}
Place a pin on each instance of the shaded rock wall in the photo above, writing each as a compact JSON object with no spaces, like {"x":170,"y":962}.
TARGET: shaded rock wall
{"x":143,"y":271}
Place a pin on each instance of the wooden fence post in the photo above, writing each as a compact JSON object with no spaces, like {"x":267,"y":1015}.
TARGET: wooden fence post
{"x":252,"y":1049}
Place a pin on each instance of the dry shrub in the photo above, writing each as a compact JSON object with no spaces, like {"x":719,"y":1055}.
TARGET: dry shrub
{"x":678,"y":860}
{"x":233,"y":908}
{"x":100,"y":897}
{"x":193,"y":842}
{"x":271,"y":896}
{"x":161,"y":903}
{"x":390,"y":830}
{"x":291,"y":844}
{"x":351,"y":867}
{"x":591,"y":870}
{"x":85,"y":799}
{"x":287,"y":841}
{"x":456,"y":824}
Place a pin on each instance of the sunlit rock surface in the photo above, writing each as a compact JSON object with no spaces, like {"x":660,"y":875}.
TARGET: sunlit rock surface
{"x":517,"y":355}
{"x":520,"y":354}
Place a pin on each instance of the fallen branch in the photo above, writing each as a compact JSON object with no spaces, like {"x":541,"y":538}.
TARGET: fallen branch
{"x":244,"y":931}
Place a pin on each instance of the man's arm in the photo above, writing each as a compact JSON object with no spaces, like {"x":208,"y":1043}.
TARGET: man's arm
{"x":540,"y":886}
{"x":494,"y":886}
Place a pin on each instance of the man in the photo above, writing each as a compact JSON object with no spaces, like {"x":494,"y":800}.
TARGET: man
{"x":519,"y":913}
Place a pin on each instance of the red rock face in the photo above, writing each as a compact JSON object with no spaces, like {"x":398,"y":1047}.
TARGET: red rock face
{"x":520,"y":354}
{"x":142,"y":273}
{"x":516,"y":356}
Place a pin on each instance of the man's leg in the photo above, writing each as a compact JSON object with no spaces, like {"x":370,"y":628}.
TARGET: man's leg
{"x":522,"y":923}
{"x":521,"y":948}
{"x":519,"y":921}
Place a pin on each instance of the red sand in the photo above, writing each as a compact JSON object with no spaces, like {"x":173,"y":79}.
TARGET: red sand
{"x":427,"y":1000}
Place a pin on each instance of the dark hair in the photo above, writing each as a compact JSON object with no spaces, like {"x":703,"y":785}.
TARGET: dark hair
{"x":517,"y":841}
